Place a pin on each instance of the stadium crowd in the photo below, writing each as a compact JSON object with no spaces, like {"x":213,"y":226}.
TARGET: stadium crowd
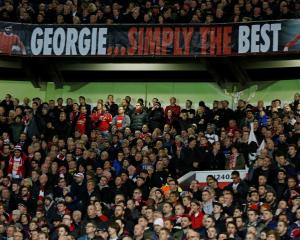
{"x":147,"y":11}
{"x":72,"y":171}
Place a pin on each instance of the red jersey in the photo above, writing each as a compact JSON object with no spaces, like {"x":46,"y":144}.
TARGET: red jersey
{"x":197,"y":219}
{"x":16,"y":166}
{"x":8,"y":42}
{"x":80,"y":124}
{"x":175,"y":110}
{"x":119,"y":123}
{"x":102,"y":120}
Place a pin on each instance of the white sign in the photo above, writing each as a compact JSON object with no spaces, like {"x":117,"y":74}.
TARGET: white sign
{"x":221,"y":176}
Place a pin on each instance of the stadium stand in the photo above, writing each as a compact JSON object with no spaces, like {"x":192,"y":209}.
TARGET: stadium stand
{"x":148,"y":12}
{"x":73,"y":171}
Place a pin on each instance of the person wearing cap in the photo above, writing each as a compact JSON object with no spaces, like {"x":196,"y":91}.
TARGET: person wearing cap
{"x":16,"y":164}
{"x":79,"y":188}
{"x":158,"y":224}
{"x":250,"y":118}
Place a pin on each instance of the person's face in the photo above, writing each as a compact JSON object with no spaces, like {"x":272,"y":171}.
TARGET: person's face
{"x":91,"y":210}
{"x":111,"y":231}
{"x":179,"y":210}
{"x":235,"y":179}
{"x":205,"y":196}
{"x":67,"y":220}
{"x":42,"y":236}
{"x":121,"y":110}
{"x":157,"y":228}
{"x":211,"y":233}
{"x":231,"y":229}
{"x":90,"y":228}
{"x":270,"y":197}
{"x":188,"y":104}
{"x":217,"y":209}
{"x":62,"y":232}
{"x":271,"y":237}
{"x":291,"y":182}
{"x":267,"y":216}
{"x":149,"y":214}
{"x":76,"y":216}
{"x":228,"y":199}
{"x":138,"y":106}
{"x":167,"y":209}
{"x":137,"y":194}
{"x":61,"y":207}
{"x":250,"y":237}
{"x":185,"y":201}
{"x":138,"y":230}
{"x":208,"y":222}
{"x":252,"y":216}
{"x":239,"y":222}
{"x":6,"y":150}
{"x":119,"y":211}
{"x":18,"y":236}
{"x":158,"y":195}
{"x":163,"y":235}
{"x":173,"y":186}
{"x":62,"y":117}
{"x":281,"y":228}
{"x":185,"y":223}
{"x":83,"y":109}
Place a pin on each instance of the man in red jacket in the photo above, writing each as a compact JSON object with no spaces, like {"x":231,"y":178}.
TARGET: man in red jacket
{"x":16,"y":165}
{"x":102,"y":119}
{"x":196,"y":215}
{"x":173,"y":107}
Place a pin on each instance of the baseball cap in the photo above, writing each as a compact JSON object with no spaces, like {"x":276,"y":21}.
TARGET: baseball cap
{"x":158,"y":221}
{"x":18,"y":148}
{"x":78,"y":174}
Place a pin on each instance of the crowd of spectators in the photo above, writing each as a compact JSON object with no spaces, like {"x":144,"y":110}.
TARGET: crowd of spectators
{"x":73,"y":171}
{"x":147,"y":11}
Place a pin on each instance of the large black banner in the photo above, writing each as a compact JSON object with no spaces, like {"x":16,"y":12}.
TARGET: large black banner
{"x":150,"y":40}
